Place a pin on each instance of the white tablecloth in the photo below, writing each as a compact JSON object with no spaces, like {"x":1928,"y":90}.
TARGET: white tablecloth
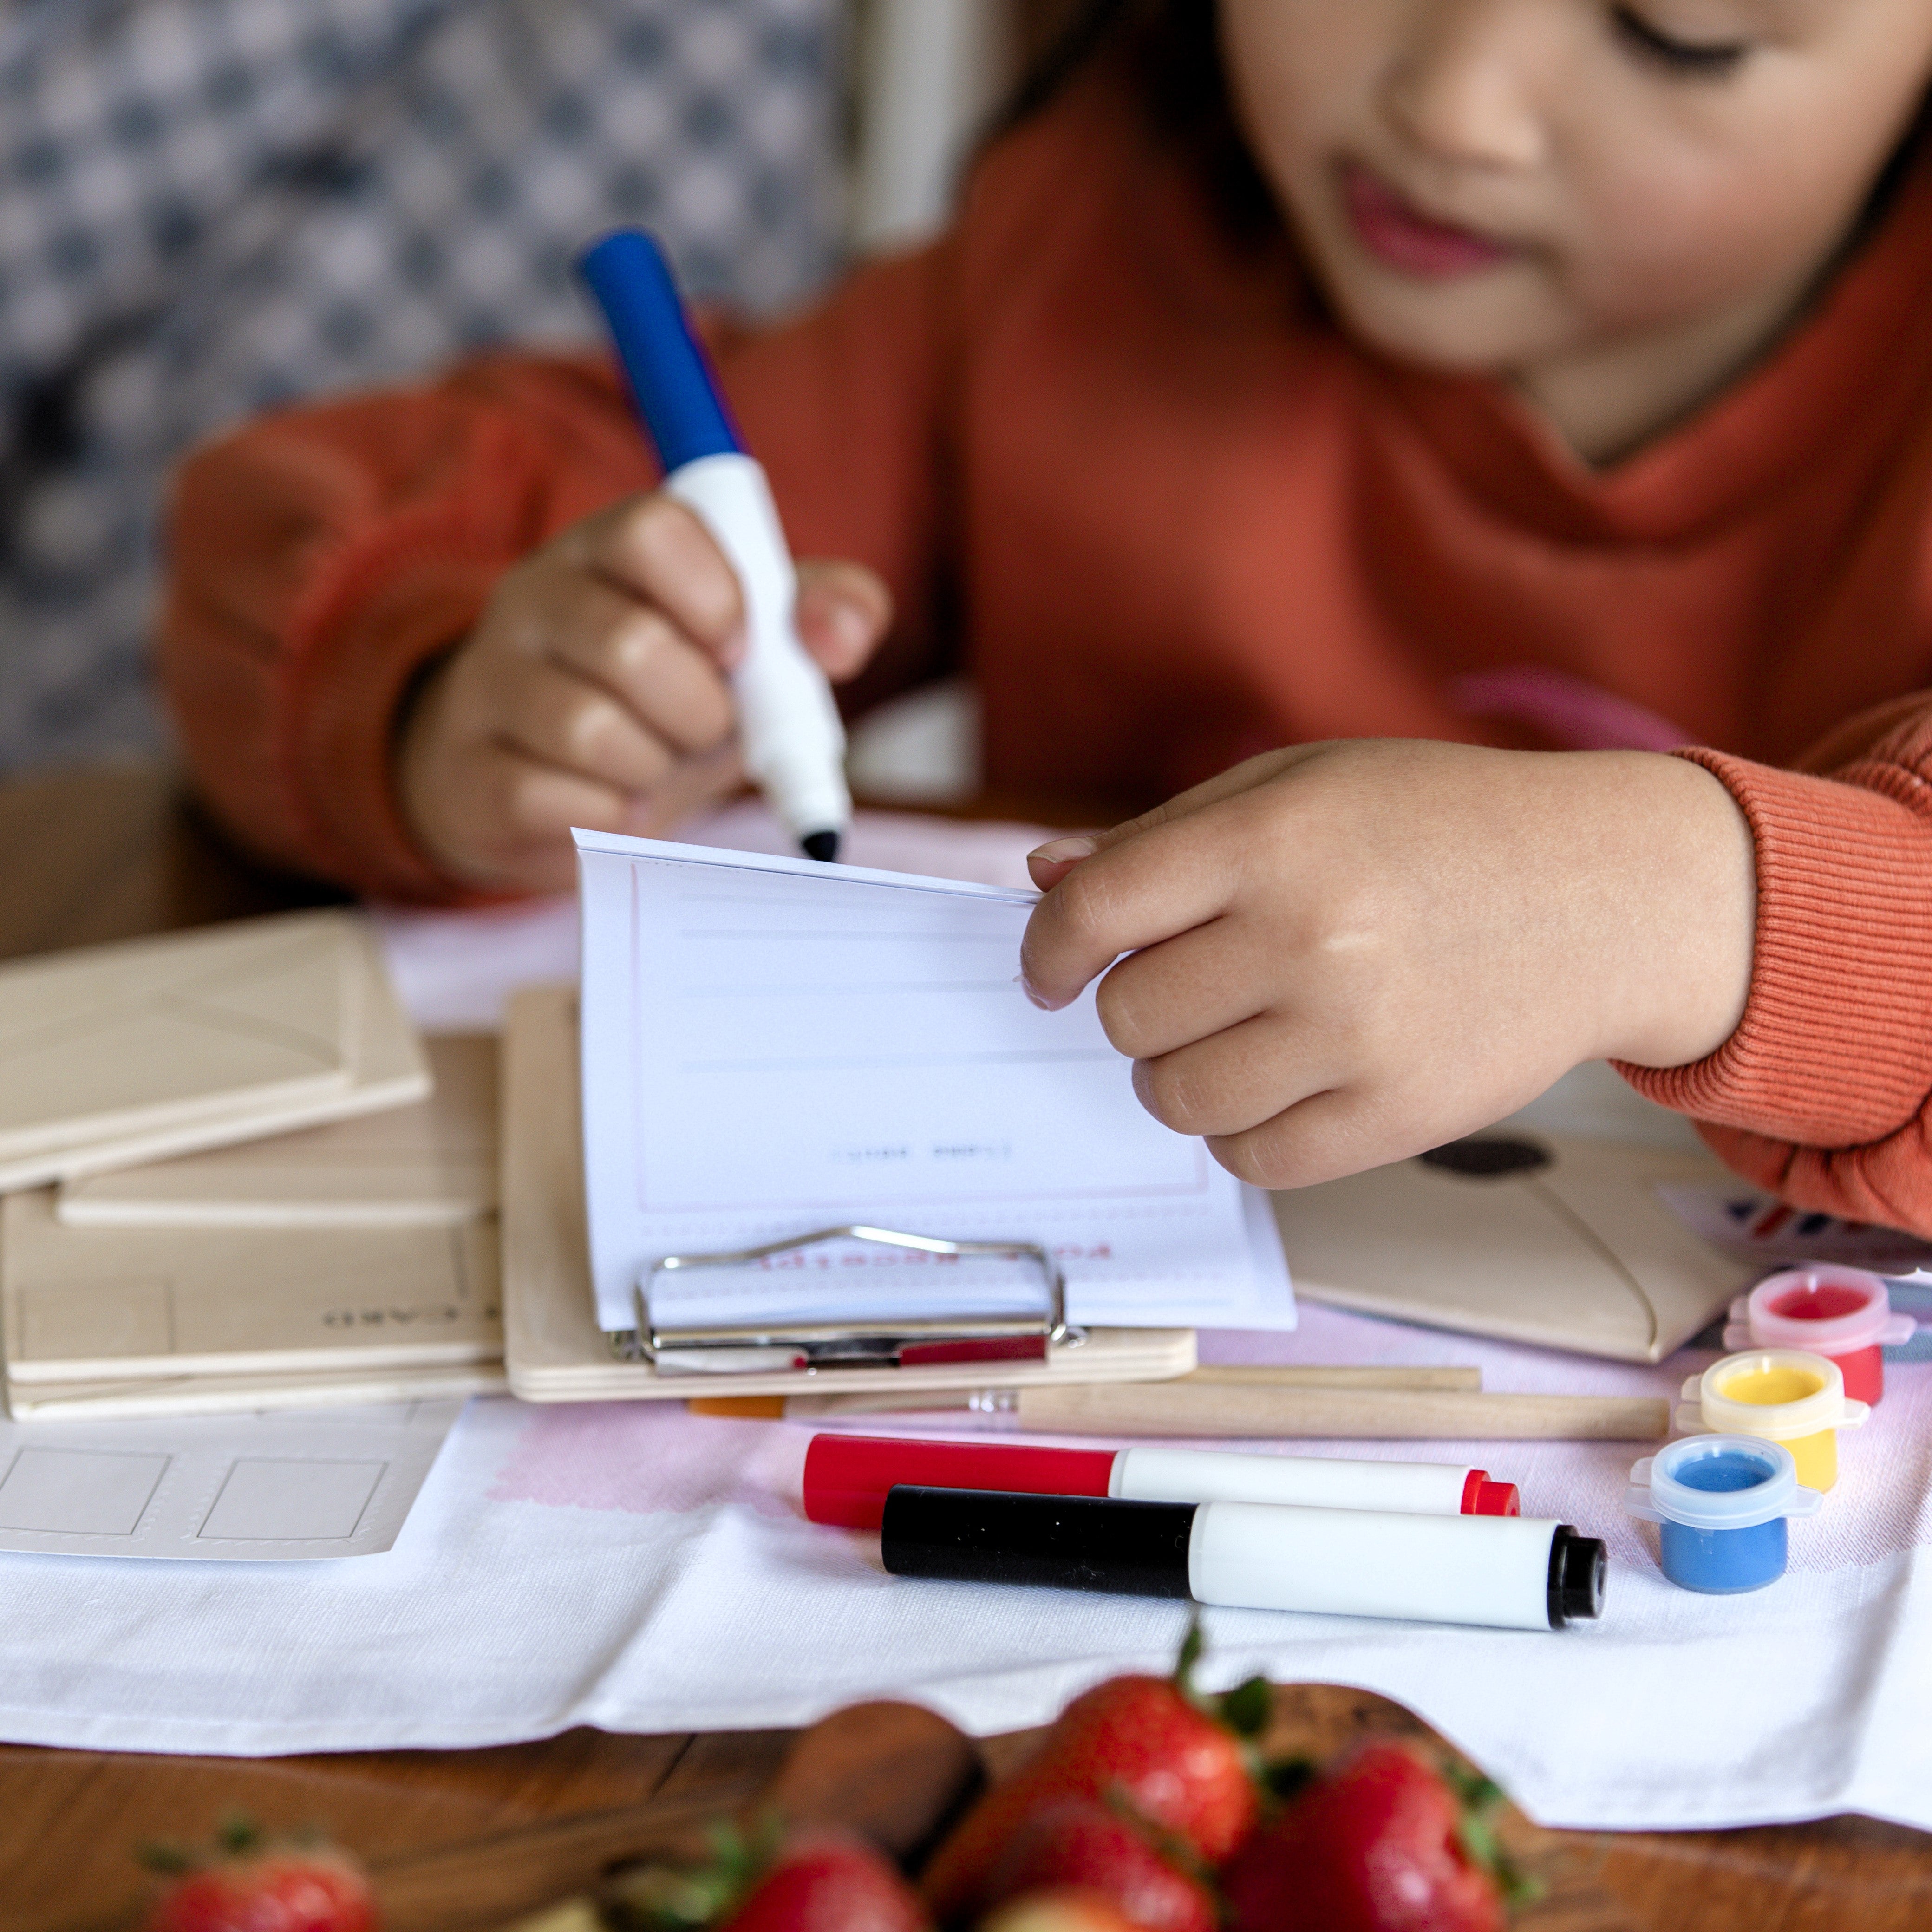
{"x":634,"y":1567}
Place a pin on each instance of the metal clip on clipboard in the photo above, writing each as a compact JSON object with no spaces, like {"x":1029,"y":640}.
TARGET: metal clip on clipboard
{"x":918,"y":1341}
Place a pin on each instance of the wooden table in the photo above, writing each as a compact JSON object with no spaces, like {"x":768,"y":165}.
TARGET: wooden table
{"x":462,"y":1840}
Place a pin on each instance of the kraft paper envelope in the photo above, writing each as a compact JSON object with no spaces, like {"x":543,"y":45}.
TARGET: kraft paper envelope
{"x":433,"y":1164}
{"x":1556,"y":1239}
{"x":554,"y":1349}
{"x":113,"y":1055}
{"x":138,"y":1304}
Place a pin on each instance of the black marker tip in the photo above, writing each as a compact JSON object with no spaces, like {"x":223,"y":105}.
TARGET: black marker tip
{"x":823,"y":846}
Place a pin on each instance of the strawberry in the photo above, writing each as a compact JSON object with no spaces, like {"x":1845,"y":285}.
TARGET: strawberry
{"x":824,"y":1882}
{"x":1081,"y":1843}
{"x":1380,"y":1843}
{"x":815,"y":1881}
{"x":1066,"y":1911}
{"x":255,"y":1887}
{"x":1140,"y":1741}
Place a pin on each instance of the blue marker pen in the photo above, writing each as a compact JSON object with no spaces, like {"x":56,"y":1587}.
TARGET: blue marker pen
{"x":793,"y":743}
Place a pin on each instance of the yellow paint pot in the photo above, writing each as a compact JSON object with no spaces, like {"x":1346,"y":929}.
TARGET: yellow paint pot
{"x":1779,"y":1395}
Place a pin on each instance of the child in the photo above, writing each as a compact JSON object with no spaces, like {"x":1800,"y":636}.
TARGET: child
{"x":1588,"y":409}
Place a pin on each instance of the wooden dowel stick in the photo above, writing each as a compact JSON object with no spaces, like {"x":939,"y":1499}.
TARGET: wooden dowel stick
{"x":1295,"y":1375}
{"x":1171,"y":1408}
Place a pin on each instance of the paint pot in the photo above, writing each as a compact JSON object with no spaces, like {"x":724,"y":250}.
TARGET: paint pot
{"x":1722,"y":1501}
{"x":1844,"y":1312}
{"x":1781,"y":1395}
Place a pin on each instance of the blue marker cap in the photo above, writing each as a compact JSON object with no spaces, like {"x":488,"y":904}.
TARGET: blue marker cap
{"x":669,"y":381}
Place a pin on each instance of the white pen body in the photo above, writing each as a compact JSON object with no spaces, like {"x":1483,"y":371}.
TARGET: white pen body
{"x":793,"y":740}
{"x":1491,"y":1571}
{"x":1152,"y":1475}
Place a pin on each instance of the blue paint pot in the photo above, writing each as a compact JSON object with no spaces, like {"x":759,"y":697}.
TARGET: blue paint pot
{"x":1722,"y":1501}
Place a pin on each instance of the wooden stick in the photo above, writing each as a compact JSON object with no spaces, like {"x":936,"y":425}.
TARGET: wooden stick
{"x":1297,"y":1374}
{"x":1172,"y":1409}
{"x":885,"y":1401}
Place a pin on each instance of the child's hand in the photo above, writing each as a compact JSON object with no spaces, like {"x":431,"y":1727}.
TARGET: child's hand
{"x":593,"y":692}
{"x":1344,"y":954}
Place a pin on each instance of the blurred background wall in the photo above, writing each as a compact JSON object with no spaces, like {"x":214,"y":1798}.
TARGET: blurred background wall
{"x":208,"y":207}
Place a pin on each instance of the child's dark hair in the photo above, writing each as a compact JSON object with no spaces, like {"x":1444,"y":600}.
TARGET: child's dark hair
{"x":1171,"y":50}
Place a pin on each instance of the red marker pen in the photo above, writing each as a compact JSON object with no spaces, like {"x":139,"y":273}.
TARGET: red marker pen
{"x":1507,"y":1572}
{"x":847,"y":1476}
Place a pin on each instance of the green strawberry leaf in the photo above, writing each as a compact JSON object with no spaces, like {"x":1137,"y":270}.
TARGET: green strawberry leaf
{"x":1247,"y":1708}
{"x":1192,"y":1645}
{"x":1478,"y":1796}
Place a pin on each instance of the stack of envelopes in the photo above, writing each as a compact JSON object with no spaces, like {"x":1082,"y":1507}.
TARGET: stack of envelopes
{"x":236,"y":1178}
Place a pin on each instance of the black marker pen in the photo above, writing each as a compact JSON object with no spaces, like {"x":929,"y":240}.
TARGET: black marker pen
{"x":1509,"y":1572}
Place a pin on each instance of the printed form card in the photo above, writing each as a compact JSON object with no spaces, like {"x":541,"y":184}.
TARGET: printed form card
{"x":772,"y":1046}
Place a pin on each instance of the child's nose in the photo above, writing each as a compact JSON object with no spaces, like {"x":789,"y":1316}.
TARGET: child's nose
{"x":1464,"y":86}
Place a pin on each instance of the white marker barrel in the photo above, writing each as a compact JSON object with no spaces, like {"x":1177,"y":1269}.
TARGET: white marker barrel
{"x":1151,"y":1474}
{"x":1503,"y":1571}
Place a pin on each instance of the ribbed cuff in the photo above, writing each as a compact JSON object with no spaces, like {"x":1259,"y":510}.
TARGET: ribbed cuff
{"x":398,"y":604}
{"x":1834,"y":1049}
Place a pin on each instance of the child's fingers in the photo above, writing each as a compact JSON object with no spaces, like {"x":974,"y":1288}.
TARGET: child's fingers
{"x":1184,"y":989}
{"x":1146,"y":888}
{"x":1234,"y":1080}
{"x":608,"y":639}
{"x":657,"y":550}
{"x":843,"y":612}
{"x":1322,"y":1138}
{"x":562,"y":721}
{"x":1048,"y":864}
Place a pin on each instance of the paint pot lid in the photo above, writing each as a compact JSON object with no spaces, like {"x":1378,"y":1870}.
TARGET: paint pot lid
{"x":1826,"y":1407}
{"x":1866,"y":1320}
{"x":1664,"y":1488}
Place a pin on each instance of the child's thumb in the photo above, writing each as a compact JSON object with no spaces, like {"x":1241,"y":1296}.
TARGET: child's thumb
{"x":843,"y":611}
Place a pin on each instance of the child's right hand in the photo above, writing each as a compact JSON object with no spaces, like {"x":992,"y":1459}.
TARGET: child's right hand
{"x":594,"y":692}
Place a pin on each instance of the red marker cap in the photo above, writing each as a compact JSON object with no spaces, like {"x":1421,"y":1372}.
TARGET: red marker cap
{"x":1481,"y":1497}
{"x":847,"y":1476}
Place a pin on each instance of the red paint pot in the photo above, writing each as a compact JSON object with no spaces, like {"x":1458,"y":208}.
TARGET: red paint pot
{"x":1842,"y":1312}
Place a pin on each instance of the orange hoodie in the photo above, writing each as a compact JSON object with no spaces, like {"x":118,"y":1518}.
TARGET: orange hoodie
{"x":1176,"y":517}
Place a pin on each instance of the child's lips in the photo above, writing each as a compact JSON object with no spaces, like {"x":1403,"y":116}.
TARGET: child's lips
{"x":1403,"y":237}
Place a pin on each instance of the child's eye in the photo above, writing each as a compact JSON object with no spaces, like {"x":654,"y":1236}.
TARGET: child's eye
{"x":1709,"y":59}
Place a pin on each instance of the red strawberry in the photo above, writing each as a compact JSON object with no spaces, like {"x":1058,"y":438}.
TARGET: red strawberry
{"x":1379,"y":1844}
{"x":1059,"y":1912}
{"x":1136,"y":1740}
{"x":824,"y":1882}
{"x":279,"y":1889}
{"x":1081,"y":1843}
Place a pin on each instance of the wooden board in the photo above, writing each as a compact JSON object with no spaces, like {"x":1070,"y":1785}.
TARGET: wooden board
{"x":115,"y":1055}
{"x":134,"y":1305}
{"x":431,"y":1164}
{"x":554,"y":1349}
{"x":477,"y":1841}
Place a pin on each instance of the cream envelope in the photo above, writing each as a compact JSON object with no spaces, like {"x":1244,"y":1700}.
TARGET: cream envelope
{"x":554,"y":1349}
{"x":114,"y":1304}
{"x":433,"y":1164}
{"x":1556,"y":1239}
{"x":114,"y":1055}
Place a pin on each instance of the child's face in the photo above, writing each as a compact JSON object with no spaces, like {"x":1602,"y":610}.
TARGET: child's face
{"x":1488,"y":185}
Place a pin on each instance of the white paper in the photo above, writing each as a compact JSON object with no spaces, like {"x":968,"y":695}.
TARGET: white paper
{"x":455,"y":971}
{"x":247,"y":1489}
{"x":772,"y":1046}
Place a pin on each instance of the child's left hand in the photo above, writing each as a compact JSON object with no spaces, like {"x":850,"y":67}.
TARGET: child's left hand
{"x":1343,"y":954}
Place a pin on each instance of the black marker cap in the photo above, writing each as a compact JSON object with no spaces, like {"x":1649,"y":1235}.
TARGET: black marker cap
{"x":823,"y":846}
{"x":1578,"y":1566}
{"x":1069,"y":1542}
